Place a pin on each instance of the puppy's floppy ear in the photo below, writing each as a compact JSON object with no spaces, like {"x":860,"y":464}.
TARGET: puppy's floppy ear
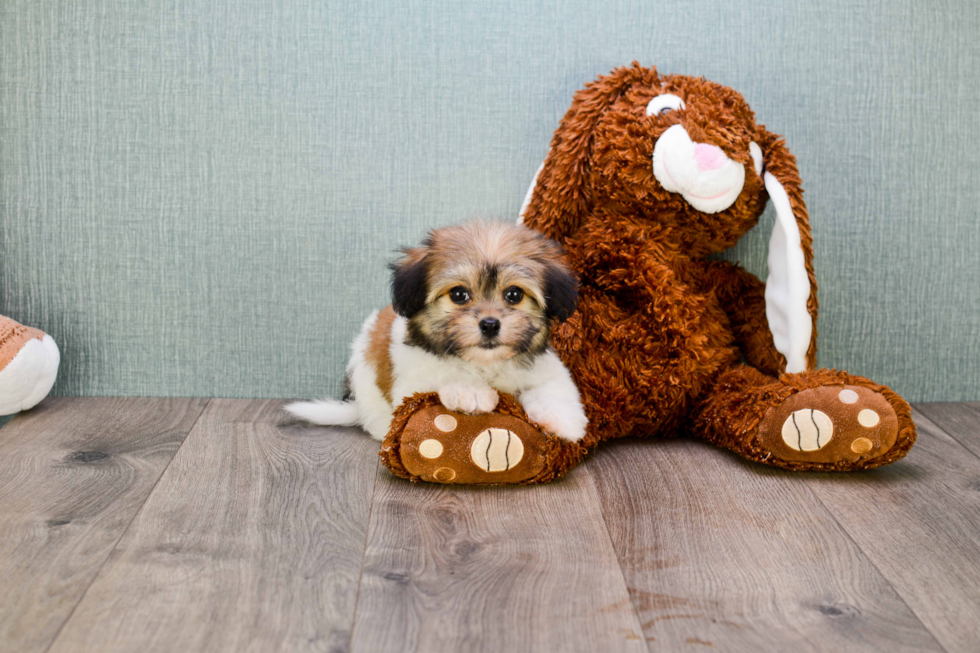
{"x":561,"y":194}
{"x":560,"y":291}
{"x":409,"y":281}
{"x":791,"y":287}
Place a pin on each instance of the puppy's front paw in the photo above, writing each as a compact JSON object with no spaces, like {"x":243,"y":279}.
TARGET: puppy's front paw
{"x":567,"y":422}
{"x":468,"y":398}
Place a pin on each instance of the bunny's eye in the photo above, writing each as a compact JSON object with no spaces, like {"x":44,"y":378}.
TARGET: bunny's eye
{"x":664,"y":104}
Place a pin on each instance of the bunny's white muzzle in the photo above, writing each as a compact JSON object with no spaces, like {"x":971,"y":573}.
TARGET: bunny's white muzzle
{"x":703,"y":174}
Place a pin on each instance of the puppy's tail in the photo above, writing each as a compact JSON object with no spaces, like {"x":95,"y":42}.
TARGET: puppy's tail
{"x":329,"y":412}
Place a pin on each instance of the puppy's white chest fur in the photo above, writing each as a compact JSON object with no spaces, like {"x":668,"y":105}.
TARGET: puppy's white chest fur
{"x":425,"y":372}
{"x":384,"y":369}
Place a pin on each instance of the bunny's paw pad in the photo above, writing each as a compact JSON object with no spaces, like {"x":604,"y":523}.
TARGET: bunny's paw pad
{"x":830,"y":424}
{"x":443,"y":446}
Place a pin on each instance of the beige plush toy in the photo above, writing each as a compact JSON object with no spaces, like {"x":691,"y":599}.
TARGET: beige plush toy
{"x":29,"y":361}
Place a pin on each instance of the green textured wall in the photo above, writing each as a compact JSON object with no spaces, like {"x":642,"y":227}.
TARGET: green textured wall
{"x":198,"y":198}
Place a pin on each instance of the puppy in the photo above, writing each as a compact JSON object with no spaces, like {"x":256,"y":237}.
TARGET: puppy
{"x":472,"y":309}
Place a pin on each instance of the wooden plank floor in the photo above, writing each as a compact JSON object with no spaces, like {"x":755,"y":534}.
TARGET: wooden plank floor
{"x":196,"y":525}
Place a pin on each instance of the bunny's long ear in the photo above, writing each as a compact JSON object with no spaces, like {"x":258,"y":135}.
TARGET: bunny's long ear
{"x":791,"y":287}
{"x":561,"y":194}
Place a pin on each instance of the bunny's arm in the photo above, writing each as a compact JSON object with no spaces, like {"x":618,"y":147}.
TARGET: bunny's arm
{"x":742,"y":296}
{"x":629,"y":259}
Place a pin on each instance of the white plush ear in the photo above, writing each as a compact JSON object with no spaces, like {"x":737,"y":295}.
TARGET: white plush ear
{"x":787,"y":286}
{"x":529,"y":195}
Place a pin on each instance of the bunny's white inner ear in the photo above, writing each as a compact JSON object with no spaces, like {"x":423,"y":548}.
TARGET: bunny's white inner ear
{"x":756,"y":153}
{"x":787,"y":286}
{"x":530,"y":193}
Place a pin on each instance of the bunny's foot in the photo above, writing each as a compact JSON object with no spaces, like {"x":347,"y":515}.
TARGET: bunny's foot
{"x":830,"y":424}
{"x":428,"y":442}
{"x":821,"y":420}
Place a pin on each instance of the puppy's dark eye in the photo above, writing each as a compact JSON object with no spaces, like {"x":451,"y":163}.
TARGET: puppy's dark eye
{"x":513,"y":295}
{"x":459,"y":295}
{"x":665,"y":111}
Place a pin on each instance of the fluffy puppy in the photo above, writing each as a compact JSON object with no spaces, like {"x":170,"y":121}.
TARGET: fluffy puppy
{"x":472,"y":309}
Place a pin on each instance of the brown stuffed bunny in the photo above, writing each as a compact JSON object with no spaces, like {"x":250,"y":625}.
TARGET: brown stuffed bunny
{"x":647,"y":176}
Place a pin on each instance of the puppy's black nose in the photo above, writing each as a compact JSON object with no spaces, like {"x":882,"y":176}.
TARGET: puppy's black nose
{"x":489,"y":326}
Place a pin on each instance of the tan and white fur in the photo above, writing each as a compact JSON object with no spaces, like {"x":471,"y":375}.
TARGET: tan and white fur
{"x":472,"y":309}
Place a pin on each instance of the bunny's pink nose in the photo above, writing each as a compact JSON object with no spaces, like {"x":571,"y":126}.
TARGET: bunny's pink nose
{"x":709,"y":157}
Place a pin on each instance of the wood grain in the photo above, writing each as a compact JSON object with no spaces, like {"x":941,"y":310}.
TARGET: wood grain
{"x":253,"y":537}
{"x":722,"y":553}
{"x":252,"y":541}
{"x":918,"y":520}
{"x":73,"y":474}
{"x":960,"y":420}
{"x":454,"y":568}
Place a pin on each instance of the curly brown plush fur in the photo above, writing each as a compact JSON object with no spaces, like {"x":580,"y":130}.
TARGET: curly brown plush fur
{"x":666,"y":341}
{"x":657,"y":343}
